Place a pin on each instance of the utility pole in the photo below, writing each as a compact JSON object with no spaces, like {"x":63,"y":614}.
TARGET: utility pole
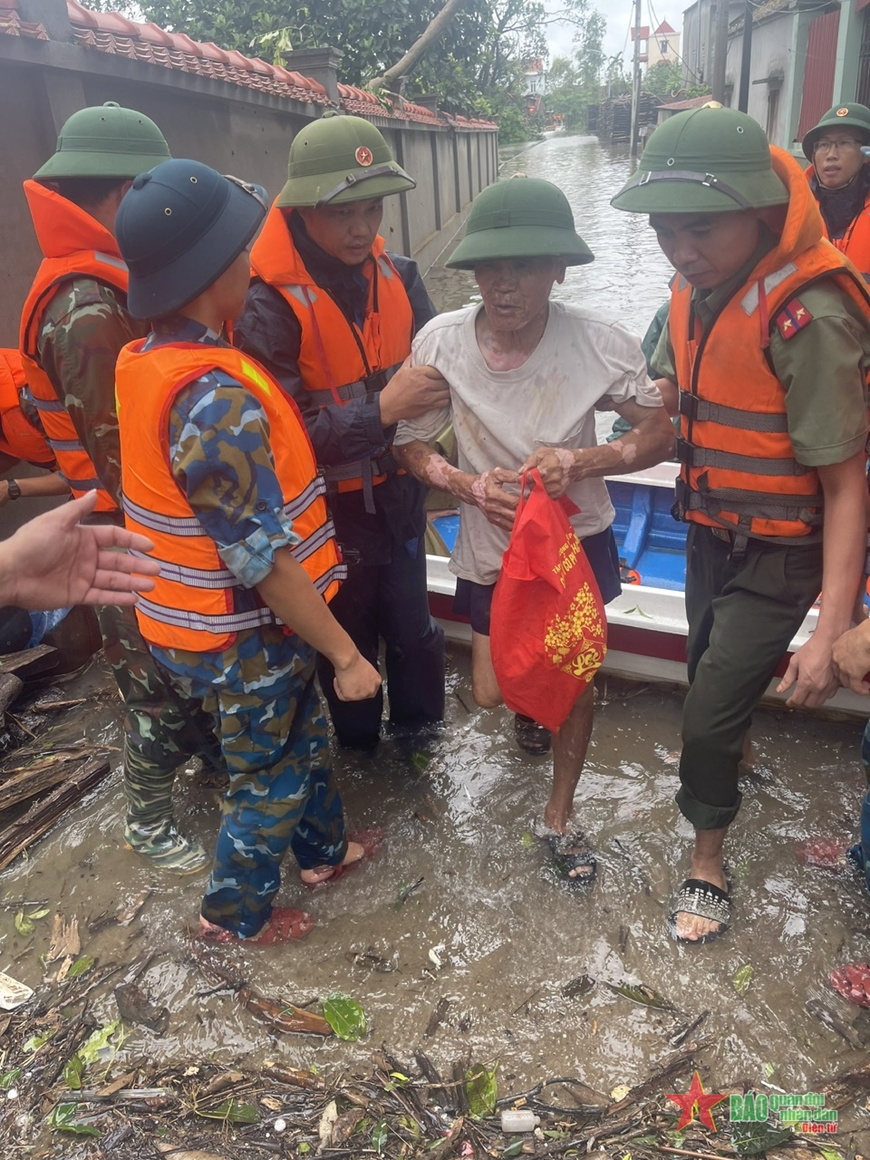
{"x":635,"y":81}
{"x":720,"y":54}
{"x":745,"y":58}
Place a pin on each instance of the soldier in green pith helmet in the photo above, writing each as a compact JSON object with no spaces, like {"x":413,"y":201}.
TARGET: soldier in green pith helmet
{"x":332,"y":313}
{"x":74,"y":324}
{"x":764,"y":358}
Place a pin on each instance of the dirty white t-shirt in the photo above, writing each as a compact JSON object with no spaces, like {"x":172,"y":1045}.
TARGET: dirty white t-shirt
{"x":582,"y":364}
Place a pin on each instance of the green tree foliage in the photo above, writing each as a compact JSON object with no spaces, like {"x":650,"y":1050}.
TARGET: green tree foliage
{"x":574,"y":82}
{"x":664,"y":79}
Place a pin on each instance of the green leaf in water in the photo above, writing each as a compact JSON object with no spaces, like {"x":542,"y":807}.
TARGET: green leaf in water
{"x":40,"y":912}
{"x":22,"y":924}
{"x":831,"y":1154}
{"x":345,"y":1016}
{"x":742,"y":978}
{"x":768,"y":1069}
{"x":63,"y":1119}
{"x":34,"y":1043}
{"x":8,"y":1078}
{"x":81,"y":967}
{"x":101,"y":1040}
{"x":420,"y":760}
{"x":73,"y":1070}
{"x":515,"y":1148}
{"x":481,"y":1088}
{"x":303,"y":1149}
{"x":640,"y":993}
{"x":380,"y":1135}
{"x":231,"y":1112}
{"x":753,"y":1138}
{"x":527,"y":840}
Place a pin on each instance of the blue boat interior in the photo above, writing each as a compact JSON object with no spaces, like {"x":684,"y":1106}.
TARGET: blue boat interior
{"x":652,"y":544}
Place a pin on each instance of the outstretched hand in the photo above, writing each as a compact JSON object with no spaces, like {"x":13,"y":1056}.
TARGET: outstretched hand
{"x":53,"y":561}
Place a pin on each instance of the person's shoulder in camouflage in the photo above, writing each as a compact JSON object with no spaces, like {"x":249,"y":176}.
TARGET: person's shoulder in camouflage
{"x":83,"y":330}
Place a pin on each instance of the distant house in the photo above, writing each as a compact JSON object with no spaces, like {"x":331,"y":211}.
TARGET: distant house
{"x":536,"y":85}
{"x":664,"y":46}
{"x":805,"y":59}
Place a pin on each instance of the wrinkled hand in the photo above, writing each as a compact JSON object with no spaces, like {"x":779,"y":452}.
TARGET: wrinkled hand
{"x":811,"y":671}
{"x":413,"y":391}
{"x":357,"y":680}
{"x":54,"y":561}
{"x":554,"y":464}
{"x":499,"y":506}
{"x":852,"y":658}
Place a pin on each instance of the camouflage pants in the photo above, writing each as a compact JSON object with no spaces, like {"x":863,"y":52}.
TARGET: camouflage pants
{"x":273,"y":735}
{"x":160,"y":730}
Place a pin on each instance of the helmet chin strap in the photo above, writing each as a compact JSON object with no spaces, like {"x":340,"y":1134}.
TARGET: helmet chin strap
{"x":352,"y":179}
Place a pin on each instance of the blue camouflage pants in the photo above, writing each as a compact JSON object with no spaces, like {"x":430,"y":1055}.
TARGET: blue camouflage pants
{"x":273,"y":735}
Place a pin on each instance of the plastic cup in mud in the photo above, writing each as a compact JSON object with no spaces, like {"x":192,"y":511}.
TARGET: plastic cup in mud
{"x":519,"y":1120}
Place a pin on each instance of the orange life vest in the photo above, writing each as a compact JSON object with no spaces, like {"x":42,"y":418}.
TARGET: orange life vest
{"x":855,"y":242}
{"x":739,"y":469}
{"x":74,"y":245}
{"x":192,"y":605}
{"x":18,"y":437}
{"x":338,"y":361}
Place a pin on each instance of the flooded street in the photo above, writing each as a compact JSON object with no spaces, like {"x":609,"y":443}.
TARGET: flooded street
{"x":488,"y":938}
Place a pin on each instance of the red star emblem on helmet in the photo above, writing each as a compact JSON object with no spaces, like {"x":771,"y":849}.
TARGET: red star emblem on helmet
{"x":363,"y":156}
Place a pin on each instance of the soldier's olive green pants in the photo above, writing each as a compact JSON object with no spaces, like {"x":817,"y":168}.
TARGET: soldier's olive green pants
{"x":160,"y":730}
{"x":743,"y":613}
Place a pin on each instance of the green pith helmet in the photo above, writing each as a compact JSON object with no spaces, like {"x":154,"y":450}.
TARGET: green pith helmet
{"x":105,"y":141}
{"x":524,"y":217}
{"x":706,"y":160}
{"x":840,"y":117}
{"x":337,"y":159}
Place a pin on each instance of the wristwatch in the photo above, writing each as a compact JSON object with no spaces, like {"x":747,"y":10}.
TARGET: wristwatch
{"x":13,"y":489}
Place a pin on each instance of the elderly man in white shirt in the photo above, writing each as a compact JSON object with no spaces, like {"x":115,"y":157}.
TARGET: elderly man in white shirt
{"x":526,"y":377}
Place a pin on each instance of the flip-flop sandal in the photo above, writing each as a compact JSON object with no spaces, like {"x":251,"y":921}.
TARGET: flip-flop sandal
{"x":706,"y":901}
{"x":284,"y":925}
{"x":572,"y":852}
{"x":853,"y":983}
{"x":368,"y":839}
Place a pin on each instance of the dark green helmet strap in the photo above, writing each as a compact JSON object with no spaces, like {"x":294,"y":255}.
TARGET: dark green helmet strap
{"x":354,"y":179}
{"x":708,"y":179}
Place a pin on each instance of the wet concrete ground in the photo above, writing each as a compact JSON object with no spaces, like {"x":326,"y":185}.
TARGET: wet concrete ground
{"x":460,"y":811}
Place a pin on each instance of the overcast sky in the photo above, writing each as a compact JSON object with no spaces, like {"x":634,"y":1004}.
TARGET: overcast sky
{"x":619,"y":15}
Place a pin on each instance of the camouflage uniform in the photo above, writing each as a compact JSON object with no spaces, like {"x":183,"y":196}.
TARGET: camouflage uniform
{"x":259,"y":690}
{"x":83,"y":329}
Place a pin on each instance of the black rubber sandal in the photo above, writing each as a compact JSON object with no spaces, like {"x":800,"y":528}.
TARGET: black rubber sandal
{"x":572,"y":852}
{"x":706,"y":901}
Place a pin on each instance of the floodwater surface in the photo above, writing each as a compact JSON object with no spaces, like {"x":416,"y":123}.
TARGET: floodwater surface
{"x":489,"y":937}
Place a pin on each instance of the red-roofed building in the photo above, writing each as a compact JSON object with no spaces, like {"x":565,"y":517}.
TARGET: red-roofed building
{"x":234,"y":112}
{"x":664,"y":46}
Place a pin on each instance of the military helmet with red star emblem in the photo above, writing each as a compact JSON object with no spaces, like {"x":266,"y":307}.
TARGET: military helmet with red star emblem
{"x":340,"y":158}
{"x":852,"y":116}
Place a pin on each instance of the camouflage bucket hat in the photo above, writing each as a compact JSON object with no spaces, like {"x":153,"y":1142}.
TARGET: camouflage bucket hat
{"x":337,"y":159}
{"x":706,"y":160}
{"x":840,"y":117}
{"x":105,"y":141}
{"x":523,"y":217}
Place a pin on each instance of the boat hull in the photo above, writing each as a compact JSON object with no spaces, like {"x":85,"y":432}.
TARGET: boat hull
{"x":647,"y":625}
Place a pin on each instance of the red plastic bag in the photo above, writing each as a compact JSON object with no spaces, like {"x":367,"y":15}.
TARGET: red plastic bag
{"x":548,"y":630}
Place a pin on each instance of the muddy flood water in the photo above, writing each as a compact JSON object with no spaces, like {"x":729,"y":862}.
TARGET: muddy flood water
{"x":489,"y":937}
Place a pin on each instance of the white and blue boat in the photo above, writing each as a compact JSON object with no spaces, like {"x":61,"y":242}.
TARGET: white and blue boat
{"x":647,"y":625}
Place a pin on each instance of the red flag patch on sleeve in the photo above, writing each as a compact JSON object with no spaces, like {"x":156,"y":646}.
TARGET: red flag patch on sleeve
{"x":792,"y":318}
